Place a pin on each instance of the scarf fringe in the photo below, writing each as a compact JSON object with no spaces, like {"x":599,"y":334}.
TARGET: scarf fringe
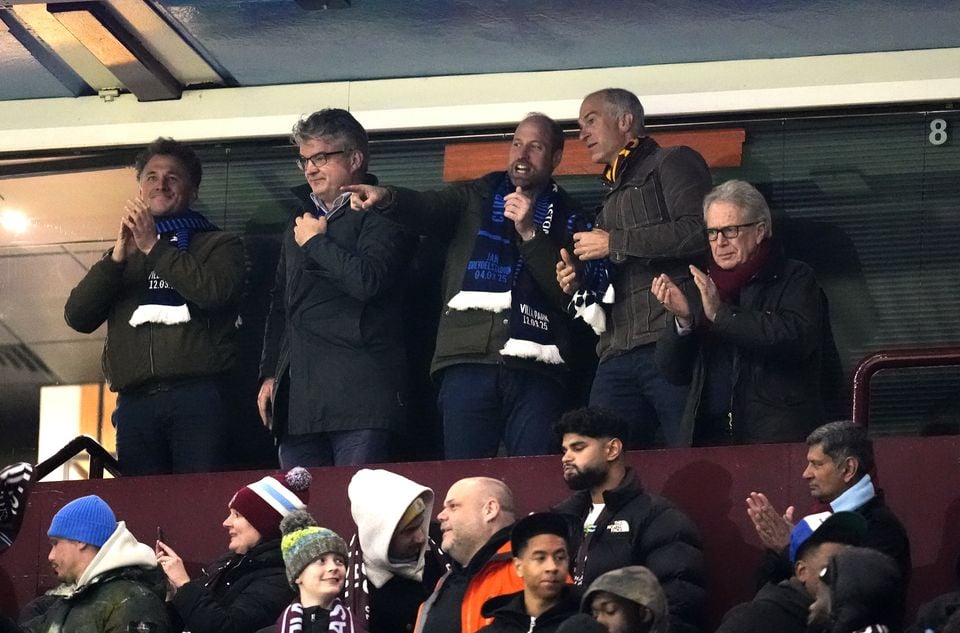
{"x":584,"y":306}
{"x":476,"y":300}
{"x":518,"y":348}
{"x":154,"y":313}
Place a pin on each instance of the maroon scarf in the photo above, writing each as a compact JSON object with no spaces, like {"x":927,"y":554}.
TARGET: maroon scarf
{"x":731,"y":282}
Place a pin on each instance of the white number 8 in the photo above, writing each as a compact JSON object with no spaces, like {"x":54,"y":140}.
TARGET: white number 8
{"x":938,"y":132}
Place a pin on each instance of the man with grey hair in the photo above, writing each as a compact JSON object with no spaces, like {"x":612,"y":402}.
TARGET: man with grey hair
{"x":650,"y":224}
{"x":839,"y":463}
{"x":330,"y":388}
{"x":750,"y":347}
{"x":502,"y":348}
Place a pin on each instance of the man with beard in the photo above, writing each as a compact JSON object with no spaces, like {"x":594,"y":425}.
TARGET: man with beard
{"x":502,"y":342}
{"x":622,"y":524}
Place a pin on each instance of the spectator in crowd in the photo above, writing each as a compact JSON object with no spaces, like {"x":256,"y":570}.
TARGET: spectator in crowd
{"x":839,"y":463}
{"x":393,"y":565}
{"x":941,"y":613}
{"x":246,"y":589}
{"x":316,"y":561}
{"x":542,"y":560}
{"x":502,"y":343}
{"x":476,"y":519}
{"x":651,"y":223}
{"x":751,"y":346}
{"x":168,"y":291}
{"x":628,"y":600}
{"x":109,"y":581}
{"x":784,"y":607}
{"x":622,"y":524}
{"x":330,"y":388}
{"x":860,"y":592}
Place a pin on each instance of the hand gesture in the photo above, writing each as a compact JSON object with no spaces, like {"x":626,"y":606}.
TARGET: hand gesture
{"x":308,"y":226}
{"x":139,"y":222}
{"x":172,"y":565}
{"x":567,"y":273}
{"x":518,"y":206}
{"x":365,"y":197}
{"x":265,"y":402}
{"x":124,"y":247}
{"x":708,"y":293}
{"x":593,"y":244}
{"x":772,"y":528}
{"x":672,"y":299}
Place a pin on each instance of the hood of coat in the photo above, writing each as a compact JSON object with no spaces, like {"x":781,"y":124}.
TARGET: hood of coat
{"x":378,"y":500}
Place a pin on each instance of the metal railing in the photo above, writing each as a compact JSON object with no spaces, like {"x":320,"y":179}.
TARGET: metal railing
{"x":100,"y":458}
{"x":896,"y":359}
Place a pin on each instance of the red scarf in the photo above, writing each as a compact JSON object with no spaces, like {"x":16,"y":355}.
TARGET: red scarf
{"x":731,"y":282}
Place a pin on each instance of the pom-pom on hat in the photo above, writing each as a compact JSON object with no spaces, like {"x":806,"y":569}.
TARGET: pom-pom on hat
{"x":304,"y":542}
{"x":264,"y":503}
{"x":87,"y":519}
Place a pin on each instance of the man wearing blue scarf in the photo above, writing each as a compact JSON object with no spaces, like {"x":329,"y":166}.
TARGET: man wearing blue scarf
{"x":502,"y":342}
{"x":168,"y":291}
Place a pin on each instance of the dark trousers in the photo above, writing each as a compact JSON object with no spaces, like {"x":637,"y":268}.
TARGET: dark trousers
{"x":482,"y":404}
{"x":177,"y":426}
{"x":335,"y":448}
{"x":631,"y":386}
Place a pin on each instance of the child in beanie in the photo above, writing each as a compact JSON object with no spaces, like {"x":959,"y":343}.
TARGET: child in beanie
{"x":316,"y":561}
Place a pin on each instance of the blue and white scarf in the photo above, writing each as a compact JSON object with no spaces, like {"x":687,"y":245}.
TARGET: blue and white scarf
{"x":596,"y":289}
{"x":496,"y":278}
{"x":160,"y":303}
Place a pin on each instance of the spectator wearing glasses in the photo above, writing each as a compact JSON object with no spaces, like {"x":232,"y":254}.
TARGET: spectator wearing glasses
{"x":749,"y":343}
{"x":330,"y":389}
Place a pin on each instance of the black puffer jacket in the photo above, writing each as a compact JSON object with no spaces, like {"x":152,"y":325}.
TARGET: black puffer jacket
{"x":637,"y":528}
{"x":510,"y":615}
{"x":782,"y":608}
{"x":865,"y":590}
{"x":241,"y":593}
{"x":775,"y":336}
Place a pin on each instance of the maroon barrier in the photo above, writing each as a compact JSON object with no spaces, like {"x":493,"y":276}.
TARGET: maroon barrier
{"x":920,"y":476}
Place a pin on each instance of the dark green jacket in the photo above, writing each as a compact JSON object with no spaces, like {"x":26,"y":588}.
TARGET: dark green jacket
{"x":454,"y":214}
{"x":114,"y":602}
{"x":208,"y":275}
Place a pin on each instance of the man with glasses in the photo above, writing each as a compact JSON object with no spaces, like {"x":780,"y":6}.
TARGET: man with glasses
{"x":330,"y":388}
{"x":750,"y":347}
{"x":650,"y":223}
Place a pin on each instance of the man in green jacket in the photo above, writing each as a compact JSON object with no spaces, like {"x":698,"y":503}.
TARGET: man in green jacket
{"x":168,"y":291}
{"x":110,"y":582}
{"x":502,"y":351}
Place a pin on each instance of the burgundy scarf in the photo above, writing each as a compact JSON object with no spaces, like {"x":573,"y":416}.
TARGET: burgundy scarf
{"x":731,"y":282}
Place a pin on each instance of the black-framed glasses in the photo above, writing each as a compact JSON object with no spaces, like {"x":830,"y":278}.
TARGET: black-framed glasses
{"x":729,"y":232}
{"x":319,"y":159}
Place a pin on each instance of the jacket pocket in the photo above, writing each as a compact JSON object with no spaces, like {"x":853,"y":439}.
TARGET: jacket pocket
{"x":464,"y":332}
{"x":642,"y":204}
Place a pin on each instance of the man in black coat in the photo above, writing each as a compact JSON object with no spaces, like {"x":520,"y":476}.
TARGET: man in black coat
{"x":784,"y":606}
{"x":333,"y":342}
{"x":621,"y":523}
{"x":749,"y":344}
{"x":839,"y":462}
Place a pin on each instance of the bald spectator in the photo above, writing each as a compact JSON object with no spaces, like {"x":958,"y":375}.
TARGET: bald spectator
{"x":476,"y":519}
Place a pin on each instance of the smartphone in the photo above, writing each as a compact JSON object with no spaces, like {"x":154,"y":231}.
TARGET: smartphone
{"x":159,"y":537}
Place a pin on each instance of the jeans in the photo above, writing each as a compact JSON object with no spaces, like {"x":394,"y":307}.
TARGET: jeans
{"x":335,"y":448}
{"x":482,"y":404}
{"x":176,"y":426}
{"x":631,"y":386}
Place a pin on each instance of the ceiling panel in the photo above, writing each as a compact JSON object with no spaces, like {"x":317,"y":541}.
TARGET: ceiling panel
{"x":21,"y":75}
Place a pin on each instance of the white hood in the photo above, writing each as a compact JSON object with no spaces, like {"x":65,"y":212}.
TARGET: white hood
{"x":121,"y":550}
{"x":378,"y":499}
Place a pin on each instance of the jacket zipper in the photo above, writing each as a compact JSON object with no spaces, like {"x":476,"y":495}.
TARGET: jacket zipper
{"x":533,"y":623}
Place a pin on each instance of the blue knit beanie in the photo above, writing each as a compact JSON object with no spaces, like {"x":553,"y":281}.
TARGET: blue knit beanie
{"x":87,"y":519}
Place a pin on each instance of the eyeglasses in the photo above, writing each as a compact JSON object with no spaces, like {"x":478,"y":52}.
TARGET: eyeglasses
{"x":729,"y":232}
{"x":319,"y":159}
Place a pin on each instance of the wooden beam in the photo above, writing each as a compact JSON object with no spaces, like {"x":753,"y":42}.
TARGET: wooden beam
{"x":466,"y":161}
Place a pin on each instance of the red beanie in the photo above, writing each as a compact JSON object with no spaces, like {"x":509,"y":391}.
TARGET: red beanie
{"x":264,"y":503}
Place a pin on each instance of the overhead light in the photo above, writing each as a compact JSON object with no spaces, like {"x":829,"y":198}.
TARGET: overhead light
{"x":117,"y":49}
{"x":14,"y":221}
